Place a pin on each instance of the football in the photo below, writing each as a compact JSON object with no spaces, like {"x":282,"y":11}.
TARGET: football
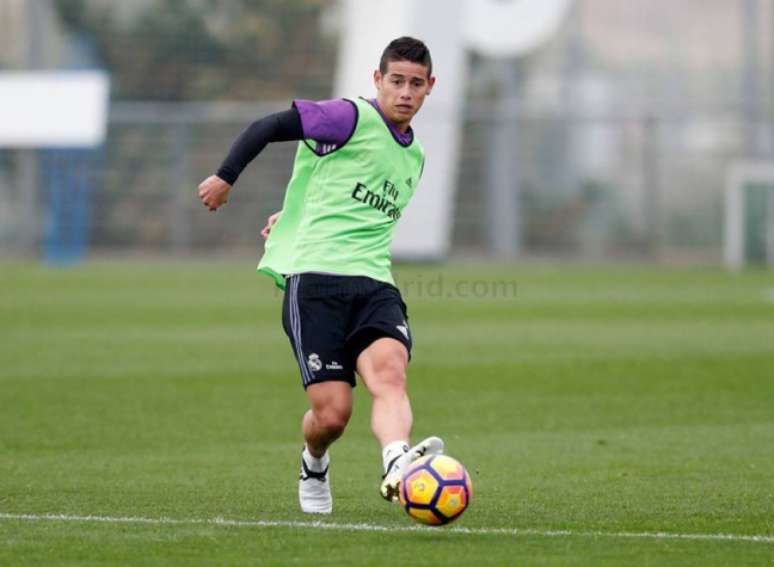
{"x":435,"y":490}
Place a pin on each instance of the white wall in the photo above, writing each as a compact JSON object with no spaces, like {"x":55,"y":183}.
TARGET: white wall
{"x":368,"y":26}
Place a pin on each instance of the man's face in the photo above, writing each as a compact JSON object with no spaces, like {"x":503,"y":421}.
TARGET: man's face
{"x":402,"y":90}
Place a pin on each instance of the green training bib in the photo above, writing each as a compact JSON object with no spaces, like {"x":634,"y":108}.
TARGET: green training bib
{"x":341,"y":208}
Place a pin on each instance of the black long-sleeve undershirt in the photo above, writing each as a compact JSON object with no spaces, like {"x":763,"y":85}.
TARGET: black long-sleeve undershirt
{"x":283,"y":126}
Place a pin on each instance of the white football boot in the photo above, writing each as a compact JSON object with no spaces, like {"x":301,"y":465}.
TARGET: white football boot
{"x":391,"y":479}
{"x":314,"y":490}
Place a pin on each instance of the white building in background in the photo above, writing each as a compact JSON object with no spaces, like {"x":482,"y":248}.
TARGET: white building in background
{"x":31,"y":35}
{"x":452,"y":29}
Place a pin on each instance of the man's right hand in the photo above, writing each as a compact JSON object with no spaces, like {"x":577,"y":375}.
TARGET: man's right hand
{"x":270,"y":223}
{"x":213,"y":192}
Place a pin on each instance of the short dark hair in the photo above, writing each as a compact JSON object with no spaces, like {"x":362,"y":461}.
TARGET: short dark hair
{"x":406,"y":49}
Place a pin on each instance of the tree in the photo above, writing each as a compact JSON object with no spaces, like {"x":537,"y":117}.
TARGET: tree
{"x":178,"y":50}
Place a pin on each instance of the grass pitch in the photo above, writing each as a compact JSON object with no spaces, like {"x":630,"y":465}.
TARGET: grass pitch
{"x":603,"y":413}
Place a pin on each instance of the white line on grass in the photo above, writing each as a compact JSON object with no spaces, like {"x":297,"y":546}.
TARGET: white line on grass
{"x":320,"y":525}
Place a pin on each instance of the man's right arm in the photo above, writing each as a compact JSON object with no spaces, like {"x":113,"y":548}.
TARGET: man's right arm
{"x":283,"y":126}
{"x":328,"y":122}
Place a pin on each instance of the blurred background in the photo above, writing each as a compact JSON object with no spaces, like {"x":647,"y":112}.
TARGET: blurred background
{"x":635,"y":131}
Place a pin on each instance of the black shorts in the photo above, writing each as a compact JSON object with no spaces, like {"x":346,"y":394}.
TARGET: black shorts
{"x":331,"y":319}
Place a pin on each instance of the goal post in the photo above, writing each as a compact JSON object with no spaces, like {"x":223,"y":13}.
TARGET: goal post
{"x":749,"y":215}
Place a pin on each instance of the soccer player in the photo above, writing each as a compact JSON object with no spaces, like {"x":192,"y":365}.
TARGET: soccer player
{"x":357,"y":165}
